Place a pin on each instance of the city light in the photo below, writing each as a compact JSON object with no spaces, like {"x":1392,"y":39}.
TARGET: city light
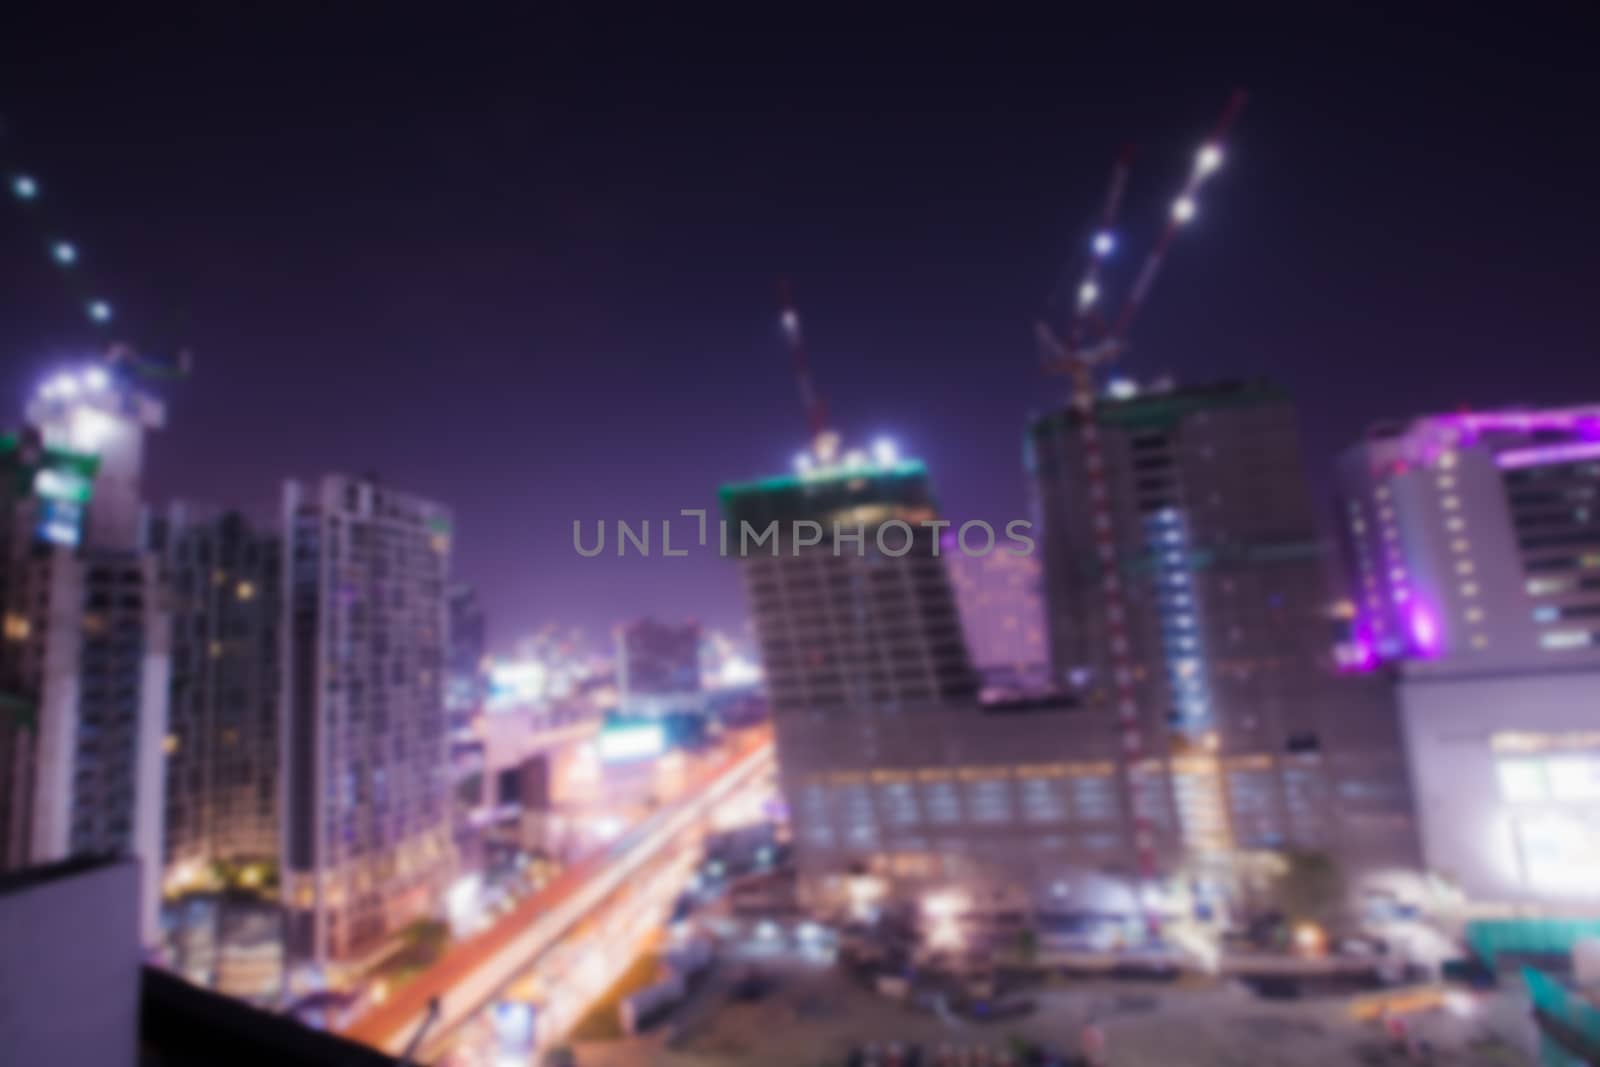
{"x":1424,"y":630}
{"x":99,"y":311}
{"x":1104,"y":243}
{"x":1208,"y":159}
{"x":884,"y":452}
{"x":637,"y":741}
{"x":1087,"y":293}
{"x":24,"y":187}
{"x":1183,"y":209}
{"x":96,"y":379}
{"x":64,"y":253}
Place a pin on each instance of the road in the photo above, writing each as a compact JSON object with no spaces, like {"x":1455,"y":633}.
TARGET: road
{"x":472,"y":972}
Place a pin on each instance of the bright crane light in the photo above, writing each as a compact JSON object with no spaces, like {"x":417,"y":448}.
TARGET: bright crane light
{"x":1208,"y":159}
{"x":790,"y":320}
{"x":1087,"y":293}
{"x":1104,"y":242}
{"x":99,"y":311}
{"x":1183,"y":209}
{"x":24,"y":187}
{"x":64,"y":253}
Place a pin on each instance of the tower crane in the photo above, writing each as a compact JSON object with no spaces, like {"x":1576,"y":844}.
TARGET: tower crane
{"x":1091,"y":341}
{"x":121,"y":358}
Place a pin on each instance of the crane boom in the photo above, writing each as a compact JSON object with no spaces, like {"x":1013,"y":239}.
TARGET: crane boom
{"x":1206,"y":161}
{"x":816,"y":408}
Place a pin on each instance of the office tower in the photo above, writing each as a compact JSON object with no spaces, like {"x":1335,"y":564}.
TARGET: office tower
{"x":222,"y":718}
{"x":1248,"y":738}
{"x":85,"y":661}
{"x":1472,"y":542}
{"x":367,"y":842}
{"x":465,"y":688}
{"x":658,"y":667}
{"x":1002,"y":612}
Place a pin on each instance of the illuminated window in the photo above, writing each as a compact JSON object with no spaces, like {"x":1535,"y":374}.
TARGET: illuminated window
{"x":1474,"y":614}
{"x":1479,"y":641}
{"x":1541,"y":586}
{"x":1447,"y":460}
{"x":1469,"y":589}
{"x":1559,"y":639}
{"x":1573,"y":777}
{"x":1446,"y":481}
{"x":1455,"y":523}
{"x":1464,"y":566}
{"x":1546,"y":613}
{"x":1460,"y":544}
{"x":1451,"y":503}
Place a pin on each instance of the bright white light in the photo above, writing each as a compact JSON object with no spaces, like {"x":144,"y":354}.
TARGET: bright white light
{"x":1087,"y":292}
{"x":25,"y":187}
{"x":855,"y":459}
{"x":1183,"y":209}
{"x":790,"y":321}
{"x":884,"y":452}
{"x":944,"y":905}
{"x":1104,"y":243}
{"x":64,"y":253}
{"x":1122,"y":388}
{"x":802,"y":462}
{"x":99,"y":311}
{"x":96,"y":378}
{"x":64,"y":385}
{"x":90,"y":429}
{"x":767,"y":931}
{"x":1208,"y":159}
{"x":608,"y":828}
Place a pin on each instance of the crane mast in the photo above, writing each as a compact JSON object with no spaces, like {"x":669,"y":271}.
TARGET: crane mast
{"x":1089,"y":343}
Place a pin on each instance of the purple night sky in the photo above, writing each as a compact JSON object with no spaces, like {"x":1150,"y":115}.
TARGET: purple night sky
{"x":529,"y":269}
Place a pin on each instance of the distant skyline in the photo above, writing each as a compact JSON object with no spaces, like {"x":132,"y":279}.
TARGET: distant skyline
{"x":529,"y":268}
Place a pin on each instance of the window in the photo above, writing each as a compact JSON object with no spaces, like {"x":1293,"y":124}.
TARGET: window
{"x":1521,"y":781}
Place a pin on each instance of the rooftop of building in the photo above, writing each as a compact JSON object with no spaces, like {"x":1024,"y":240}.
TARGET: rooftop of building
{"x":813,"y":493}
{"x":1166,"y":405}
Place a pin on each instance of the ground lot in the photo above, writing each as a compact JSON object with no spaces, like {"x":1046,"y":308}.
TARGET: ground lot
{"x":814,"y":1015}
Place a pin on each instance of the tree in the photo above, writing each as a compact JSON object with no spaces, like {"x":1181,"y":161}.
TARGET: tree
{"x":1310,"y":888}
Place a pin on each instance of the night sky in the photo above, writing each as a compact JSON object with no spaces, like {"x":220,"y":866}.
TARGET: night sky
{"x":528,"y":268}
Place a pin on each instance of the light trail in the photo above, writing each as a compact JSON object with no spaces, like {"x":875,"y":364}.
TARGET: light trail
{"x":470,"y":974}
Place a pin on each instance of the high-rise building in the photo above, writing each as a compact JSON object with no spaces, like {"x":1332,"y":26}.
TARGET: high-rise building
{"x":1248,"y":738}
{"x":85,"y":661}
{"x":658,"y":667}
{"x":889,"y":762}
{"x":367,"y":836}
{"x":465,"y":682}
{"x":222,"y":719}
{"x":1472,"y":542}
